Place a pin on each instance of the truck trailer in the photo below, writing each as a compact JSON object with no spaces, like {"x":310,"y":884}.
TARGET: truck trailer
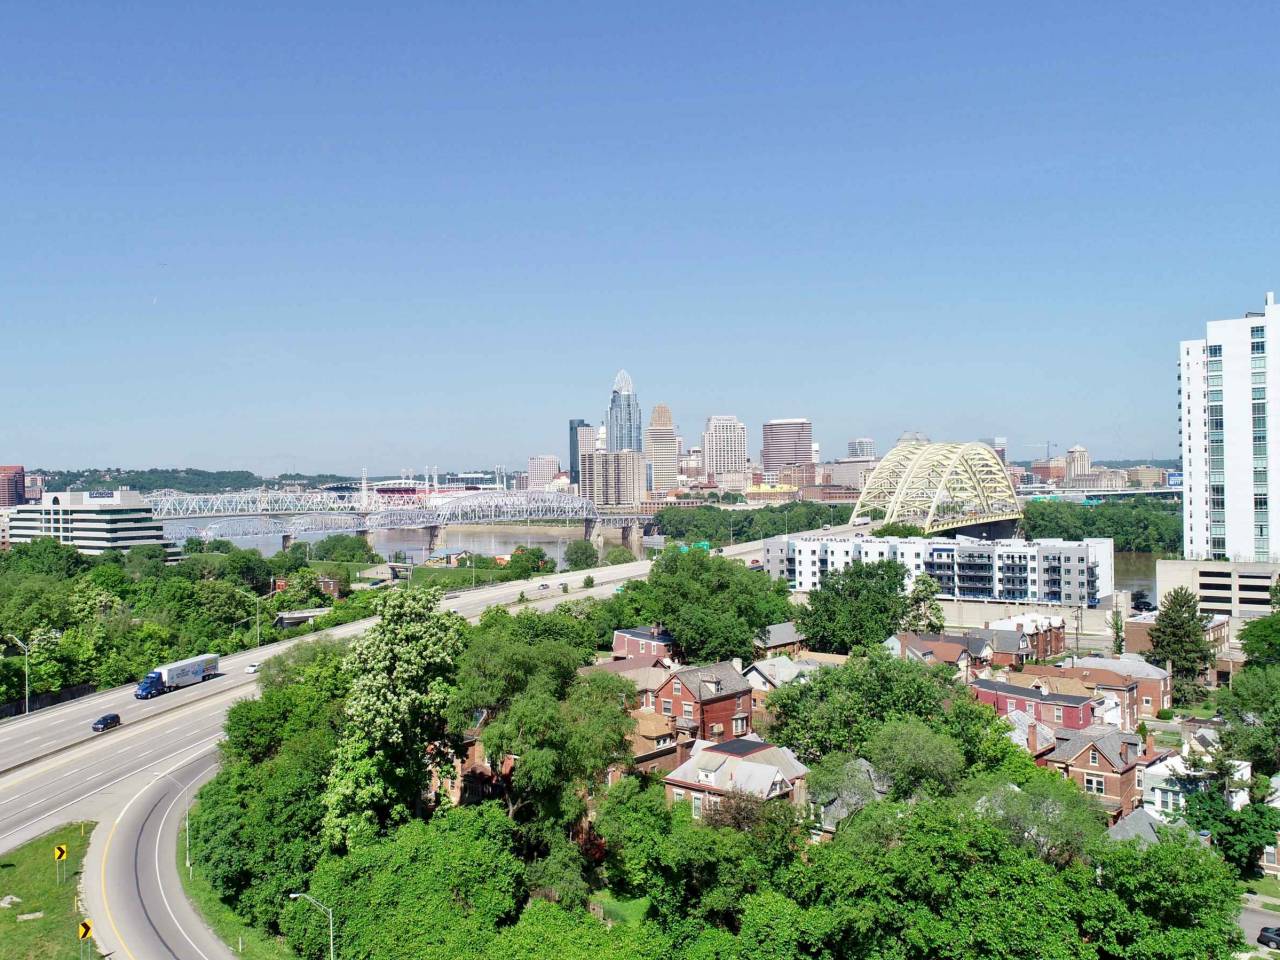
{"x":172,"y":676}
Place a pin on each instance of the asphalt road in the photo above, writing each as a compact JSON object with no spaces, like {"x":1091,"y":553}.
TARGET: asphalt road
{"x":134,"y":781}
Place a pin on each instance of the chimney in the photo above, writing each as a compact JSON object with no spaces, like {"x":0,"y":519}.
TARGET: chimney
{"x":684,"y":749}
{"x":1151,"y":743}
{"x":653,"y":630}
{"x":737,"y":664}
{"x":1031,"y":737}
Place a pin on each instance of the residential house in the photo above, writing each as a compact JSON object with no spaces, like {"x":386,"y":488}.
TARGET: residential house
{"x":1107,"y":763}
{"x":766,"y":676}
{"x":1118,"y":692}
{"x":1227,"y":662}
{"x":470,"y":777}
{"x":930,"y":649}
{"x":1009,"y":648}
{"x":1142,"y":825}
{"x":642,"y":642}
{"x":861,"y":785}
{"x":1167,"y":784}
{"x":780,"y":639}
{"x":1046,"y":635}
{"x":746,"y":764}
{"x":1033,"y":736}
{"x":711,"y":702}
{"x":1060,"y":710}
{"x":1155,"y":685}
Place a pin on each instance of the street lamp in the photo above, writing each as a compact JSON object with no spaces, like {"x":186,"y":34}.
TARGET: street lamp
{"x":182,"y":788}
{"x":307,"y":896}
{"x":26,"y":666}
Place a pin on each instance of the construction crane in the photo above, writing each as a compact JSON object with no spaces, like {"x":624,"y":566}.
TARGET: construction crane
{"x":1049,"y":447}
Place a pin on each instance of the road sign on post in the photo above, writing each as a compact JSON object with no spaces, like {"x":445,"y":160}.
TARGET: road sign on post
{"x":85,"y":930}
{"x":60,"y":852}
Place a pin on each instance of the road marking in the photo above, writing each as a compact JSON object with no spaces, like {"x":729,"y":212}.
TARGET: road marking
{"x":159,"y":880}
{"x":106,"y":851}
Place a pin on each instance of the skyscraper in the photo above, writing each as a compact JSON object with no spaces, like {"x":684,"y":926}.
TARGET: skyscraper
{"x":864,"y":448}
{"x":1078,"y":462}
{"x":575,"y":446}
{"x":1000,"y":445}
{"x":1230,"y":471}
{"x":13,"y":486}
{"x":662,"y":450}
{"x":542,"y":470}
{"x":625,"y":426}
{"x":724,"y":445}
{"x":786,"y":443}
{"x":613,"y":479}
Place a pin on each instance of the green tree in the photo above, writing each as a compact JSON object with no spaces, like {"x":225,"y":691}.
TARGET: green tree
{"x":402,"y":669}
{"x":547,"y":930}
{"x":1239,"y":835}
{"x":344,"y":548}
{"x":581,"y":555}
{"x":924,"y":612}
{"x":1115,"y":623}
{"x":1178,"y":638}
{"x":1260,"y":639}
{"x":527,"y":561}
{"x":856,"y":608}
{"x":1250,"y":708}
{"x":899,"y":529}
{"x":616,"y":555}
{"x":915,"y":758}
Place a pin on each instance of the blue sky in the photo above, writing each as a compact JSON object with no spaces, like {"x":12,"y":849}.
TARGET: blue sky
{"x":313,"y":237}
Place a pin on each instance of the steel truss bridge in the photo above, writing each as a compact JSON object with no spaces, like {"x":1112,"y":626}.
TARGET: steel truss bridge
{"x":272,"y":512}
{"x":941,"y":487}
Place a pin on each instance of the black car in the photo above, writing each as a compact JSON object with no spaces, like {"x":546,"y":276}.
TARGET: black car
{"x":106,"y":722}
{"x":1269,"y":937}
{"x":1143,"y":606}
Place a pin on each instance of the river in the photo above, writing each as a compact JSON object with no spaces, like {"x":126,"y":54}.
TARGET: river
{"x":1136,"y":571}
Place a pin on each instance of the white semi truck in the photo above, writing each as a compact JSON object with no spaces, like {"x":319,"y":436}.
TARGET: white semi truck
{"x":172,"y":676}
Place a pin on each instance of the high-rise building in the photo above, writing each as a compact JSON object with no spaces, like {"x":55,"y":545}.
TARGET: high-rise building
{"x":625,"y":429}
{"x":576,"y":428}
{"x":92,"y":521}
{"x":1230,"y":470}
{"x":662,"y":450}
{"x":13,"y":486}
{"x":613,"y":479}
{"x":864,"y":448}
{"x":542,"y":470}
{"x":786,"y":443}
{"x":724,"y":446}
{"x":1000,"y":445}
{"x":1078,"y":463}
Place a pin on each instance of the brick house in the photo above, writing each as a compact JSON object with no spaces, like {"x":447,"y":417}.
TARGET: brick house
{"x":710,"y":771}
{"x":643,"y":642}
{"x":1155,"y":685}
{"x":1119,"y":693}
{"x":1137,"y":640}
{"x":1046,"y":636}
{"x":766,"y":676}
{"x":932,"y":648}
{"x":1059,"y":710}
{"x":1105,"y":763}
{"x":712,"y":702}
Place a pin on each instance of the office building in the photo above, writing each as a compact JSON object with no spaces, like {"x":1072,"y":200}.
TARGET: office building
{"x":1147,"y":476}
{"x":724,"y":446}
{"x":542,"y":470}
{"x":1230,"y":470}
{"x":93,"y":521}
{"x":1000,"y":445}
{"x":13,"y":486}
{"x":864,"y":448}
{"x":1067,"y":572}
{"x":1050,"y":469}
{"x":852,"y":472}
{"x":1078,"y":464}
{"x":1238,"y":589}
{"x":578,"y":430}
{"x":786,"y":443}
{"x":662,"y":450}
{"x":613,"y":479}
{"x":623,"y":425}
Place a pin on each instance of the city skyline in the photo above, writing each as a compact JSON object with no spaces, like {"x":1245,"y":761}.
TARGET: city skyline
{"x":292,"y":257}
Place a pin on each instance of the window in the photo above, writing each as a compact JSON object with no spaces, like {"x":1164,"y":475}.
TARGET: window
{"x":1215,"y":350}
{"x":666,"y":707}
{"x":1093,"y":758}
{"x":1095,"y":785}
{"x":1010,"y":705}
{"x":1057,"y":714}
{"x":675,"y":687}
{"x":687,"y":711}
{"x":1146,"y":702}
{"x":739,"y":726}
{"x":704,"y":776}
{"x":677,"y":795}
{"x":697,"y":806}
{"x":1257,"y":333}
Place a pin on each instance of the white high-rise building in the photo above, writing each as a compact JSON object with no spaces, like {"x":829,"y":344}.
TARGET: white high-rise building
{"x":613,"y":479}
{"x":724,"y":446}
{"x":864,"y":448}
{"x":1078,"y":463}
{"x":662,"y":450}
{"x":542,"y":470}
{"x":1231,"y":470}
{"x":92,"y":521}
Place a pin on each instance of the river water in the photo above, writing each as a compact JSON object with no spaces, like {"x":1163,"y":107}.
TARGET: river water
{"x":1136,"y":571}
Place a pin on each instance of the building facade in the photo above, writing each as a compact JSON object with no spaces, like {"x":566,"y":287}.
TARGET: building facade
{"x":1067,"y":572}
{"x":662,"y":450}
{"x":13,"y":486}
{"x":92,"y":521}
{"x":542,"y":470}
{"x":724,"y":446}
{"x":863,"y":448}
{"x":624,"y":428}
{"x":1078,"y":463}
{"x":1239,"y":590}
{"x":1230,"y":470}
{"x":786,"y":443}
{"x":578,"y":430}
{"x":613,"y":479}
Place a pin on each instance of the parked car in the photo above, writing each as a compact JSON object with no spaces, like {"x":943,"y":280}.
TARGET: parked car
{"x":544,"y":586}
{"x":1270,"y":937}
{"x":106,"y":722}
{"x":1143,"y":606}
{"x":253,"y":668}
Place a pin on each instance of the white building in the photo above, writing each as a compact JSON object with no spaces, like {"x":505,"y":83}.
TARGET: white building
{"x":1078,"y":463}
{"x":864,"y":448}
{"x":1067,"y":572}
{"x":724,"y":446}
{"x":662,"y":450}
{"x":542,"y":470}
{"x":92,"y":521}
{"x":613,"y":479}
{"x":1167,"y":784}
{"x":1230,"y":471}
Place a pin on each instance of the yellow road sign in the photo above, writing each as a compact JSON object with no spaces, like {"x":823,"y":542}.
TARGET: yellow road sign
{"x":60,"y":852}
{"x":84,"y":930}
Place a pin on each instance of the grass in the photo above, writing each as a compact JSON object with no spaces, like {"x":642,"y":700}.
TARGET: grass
{"x":331,"y":568}
{"x":1265,"y":887}
{"x":1167,"y":740}
{"x":223,"y":921}
{"x":451,"y":577}
{"x":621,"y":911}
{"x":28,"y":872}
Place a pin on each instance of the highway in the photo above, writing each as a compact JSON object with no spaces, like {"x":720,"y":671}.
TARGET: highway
{"x":134,"y":781}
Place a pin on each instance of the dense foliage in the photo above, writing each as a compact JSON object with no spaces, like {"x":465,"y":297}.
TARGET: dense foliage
{"x":1178,"y":638}
{"x":1142,"y":524}
{"x":718,"y":526}
{"x":186,"y":479}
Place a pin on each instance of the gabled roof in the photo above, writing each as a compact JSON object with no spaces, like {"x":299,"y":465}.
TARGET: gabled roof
{"x":1029,"y":693}
{"x":713,"y":681}
{"x":1050,"y":684}
{"x":779,"y":670}
{"x":1120,"y":749}
{"x":1141,"y":826}
{"x":623,"y":666}
{"x":1128,"y":666}
{"x":779,"y":635}
{"x":745,"y":763}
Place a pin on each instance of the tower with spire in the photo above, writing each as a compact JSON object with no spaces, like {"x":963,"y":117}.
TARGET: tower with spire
{"x":624,"y":424}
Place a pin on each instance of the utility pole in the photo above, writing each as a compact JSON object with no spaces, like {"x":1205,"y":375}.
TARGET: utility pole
{"x":328,"y":912}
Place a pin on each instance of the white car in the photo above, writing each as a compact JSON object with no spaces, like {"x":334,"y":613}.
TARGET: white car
{"x":253,"y":668}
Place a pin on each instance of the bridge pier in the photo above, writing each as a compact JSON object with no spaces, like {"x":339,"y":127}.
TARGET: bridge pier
{"x":631,"y":540}
{"x":435,"y":538}
{"x":286,"y":541}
